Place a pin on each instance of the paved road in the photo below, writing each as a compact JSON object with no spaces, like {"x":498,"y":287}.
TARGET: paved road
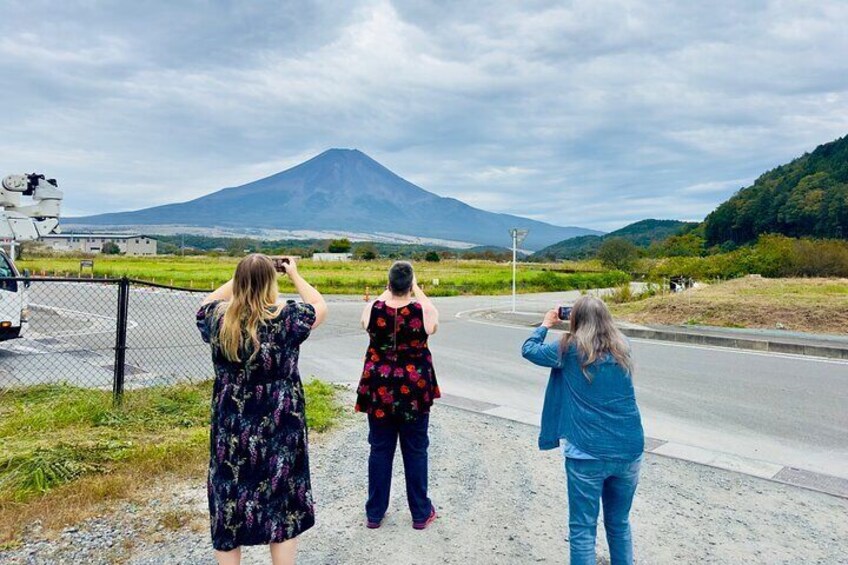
{"x":780,"y":409}
{"x":776,"y":408}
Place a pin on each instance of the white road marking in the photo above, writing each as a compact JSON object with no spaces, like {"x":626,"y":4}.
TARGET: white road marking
{"x":86,"y":315}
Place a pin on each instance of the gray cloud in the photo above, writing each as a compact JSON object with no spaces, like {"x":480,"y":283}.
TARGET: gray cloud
{"x":584,"y":112}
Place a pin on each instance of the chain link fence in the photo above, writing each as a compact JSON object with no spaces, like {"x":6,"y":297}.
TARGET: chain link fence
{"x":107,"y":333}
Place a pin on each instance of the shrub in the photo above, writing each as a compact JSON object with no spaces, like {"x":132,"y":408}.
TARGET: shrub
{"x":110,"y":248}
{"x":771,"y":256}
{"x":339,"y":246}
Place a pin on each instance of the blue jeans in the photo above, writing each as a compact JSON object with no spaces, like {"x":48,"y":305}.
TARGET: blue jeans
{"x":589,"y":482}
{"x":383,"y":435}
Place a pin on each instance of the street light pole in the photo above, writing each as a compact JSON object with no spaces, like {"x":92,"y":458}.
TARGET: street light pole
{"x":518,"y":236}
{"x":514,"y":254}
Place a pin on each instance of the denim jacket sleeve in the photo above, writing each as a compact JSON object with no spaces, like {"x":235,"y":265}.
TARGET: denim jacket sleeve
{"x":540,"y":353}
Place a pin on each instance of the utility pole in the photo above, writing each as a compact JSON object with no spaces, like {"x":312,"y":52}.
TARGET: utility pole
{"x":518,"y":236}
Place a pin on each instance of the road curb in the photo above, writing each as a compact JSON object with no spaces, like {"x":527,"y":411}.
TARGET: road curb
{"x":773,"y":472}
{"x":763,"y":345}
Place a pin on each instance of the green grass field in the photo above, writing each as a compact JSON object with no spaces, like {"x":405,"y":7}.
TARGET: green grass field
{"x":66,"y":451}
{"x":454,"y":277}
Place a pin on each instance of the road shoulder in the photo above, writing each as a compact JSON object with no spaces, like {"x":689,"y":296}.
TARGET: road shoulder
{"x":501,"y":500}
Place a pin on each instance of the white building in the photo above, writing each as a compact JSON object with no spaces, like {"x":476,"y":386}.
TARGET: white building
{"x":129,"y":244}
{"x":332,"y":256}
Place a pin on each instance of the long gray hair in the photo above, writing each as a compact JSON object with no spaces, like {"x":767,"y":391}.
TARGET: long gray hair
{"x":594,"y":333}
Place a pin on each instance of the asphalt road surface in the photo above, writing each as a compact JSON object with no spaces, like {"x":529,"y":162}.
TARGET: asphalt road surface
{"x":71,"y":337}
{"x":776,"y":408}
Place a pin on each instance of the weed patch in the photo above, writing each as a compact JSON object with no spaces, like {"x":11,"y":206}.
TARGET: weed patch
{"x":811,"y":305}
{"x":67,"y":451}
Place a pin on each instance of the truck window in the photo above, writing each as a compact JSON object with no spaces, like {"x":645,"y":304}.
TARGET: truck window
{"x":6,"y":270}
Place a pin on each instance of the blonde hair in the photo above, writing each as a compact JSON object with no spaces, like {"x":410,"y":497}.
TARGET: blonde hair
{"x":593,"y":332}
{"x":254,"y":302}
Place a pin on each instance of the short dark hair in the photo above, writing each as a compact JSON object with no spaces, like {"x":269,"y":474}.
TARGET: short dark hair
{"x":400,"y":278}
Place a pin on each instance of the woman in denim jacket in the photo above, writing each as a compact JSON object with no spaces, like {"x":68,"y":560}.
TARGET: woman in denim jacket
{"x":590,"y":403}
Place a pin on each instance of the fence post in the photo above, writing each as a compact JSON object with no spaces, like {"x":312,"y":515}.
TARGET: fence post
{"x":121,"y":340}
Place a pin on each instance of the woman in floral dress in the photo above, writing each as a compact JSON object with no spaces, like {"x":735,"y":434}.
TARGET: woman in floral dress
{"x":258,"y":484}
{"x":397,"y":389}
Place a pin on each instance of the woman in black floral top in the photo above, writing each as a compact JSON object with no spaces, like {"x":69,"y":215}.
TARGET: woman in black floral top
{"x":397,"y":389}
{"x":258,"y":485}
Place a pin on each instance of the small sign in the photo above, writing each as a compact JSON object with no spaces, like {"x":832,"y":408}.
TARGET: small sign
{"x":435,"y":282}
{"x":86,"y":263}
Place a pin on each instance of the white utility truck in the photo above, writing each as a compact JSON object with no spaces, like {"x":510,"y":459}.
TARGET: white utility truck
{"x":19,"y":222}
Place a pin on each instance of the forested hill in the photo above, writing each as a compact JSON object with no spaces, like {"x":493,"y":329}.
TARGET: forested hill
{"x":807,"y":197}
{"x":642,"y":233}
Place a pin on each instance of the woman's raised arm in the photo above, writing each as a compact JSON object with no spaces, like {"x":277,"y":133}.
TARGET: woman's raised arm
{"x":307,"y":292}
{"x":537,"y":351}
{"x":431,"y":313}
{"x":223,"y":292}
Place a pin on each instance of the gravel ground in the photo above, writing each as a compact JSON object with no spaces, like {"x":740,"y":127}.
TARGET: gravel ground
{"x":500,"y":501}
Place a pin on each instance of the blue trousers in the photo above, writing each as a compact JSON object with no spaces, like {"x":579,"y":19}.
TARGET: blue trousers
{"x":383,"y":437}
{"x":591,"y":481}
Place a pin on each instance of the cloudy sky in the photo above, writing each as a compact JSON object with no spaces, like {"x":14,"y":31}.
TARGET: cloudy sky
{"x":588,"y":113}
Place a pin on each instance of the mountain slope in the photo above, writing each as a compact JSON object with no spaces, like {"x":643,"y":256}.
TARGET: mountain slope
{"x":806,"y":197}
{"x":341,"y":190}
{"x":642,"y":233}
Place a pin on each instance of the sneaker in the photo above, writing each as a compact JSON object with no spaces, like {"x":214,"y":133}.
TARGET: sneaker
{"x":371,"y":525}
{"x":423,"y":525}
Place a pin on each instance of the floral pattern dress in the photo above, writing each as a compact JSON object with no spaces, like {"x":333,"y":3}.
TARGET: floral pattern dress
{"x":258,"y":484}
{"x":398,"y":379}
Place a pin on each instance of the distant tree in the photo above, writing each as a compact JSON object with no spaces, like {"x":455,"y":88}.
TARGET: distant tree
{"x":366,"y":252}
{"x":239,"y":246}
{"x":432,"y":257}
{"x":618,"y":253}
{"x":339,"y":246}
{"x":29,"y":249}
{"x":300,"y":251}
{"x":167,"y":248}
{"x":110,"y":248}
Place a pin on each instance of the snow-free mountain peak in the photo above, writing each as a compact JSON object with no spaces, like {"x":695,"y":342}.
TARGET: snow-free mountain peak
{"x":340,"y":190}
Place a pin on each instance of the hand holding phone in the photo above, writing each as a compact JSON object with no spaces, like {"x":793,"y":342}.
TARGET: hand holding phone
{"x":564,"y":312}
{"x":280,"y":264}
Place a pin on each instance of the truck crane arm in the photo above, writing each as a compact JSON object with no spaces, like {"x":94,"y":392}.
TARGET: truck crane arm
{"x":28,"y":221}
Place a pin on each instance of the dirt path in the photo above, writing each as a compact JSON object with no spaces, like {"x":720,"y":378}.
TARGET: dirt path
{"x":500,"y":500}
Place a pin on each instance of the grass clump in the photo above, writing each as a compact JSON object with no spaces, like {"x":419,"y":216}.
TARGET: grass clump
{"x":625,"y":293}
{"x":67,"y":451}
{"x":322,"y":407}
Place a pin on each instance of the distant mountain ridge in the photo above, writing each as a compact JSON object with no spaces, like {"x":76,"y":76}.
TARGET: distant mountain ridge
{"x":642,"y":234}
{"x":806,"y":197}
{"x":341,"y":190}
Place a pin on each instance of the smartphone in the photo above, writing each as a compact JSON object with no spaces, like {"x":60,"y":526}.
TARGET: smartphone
{"x":280,"y":264}
{"x":564,"y":312}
